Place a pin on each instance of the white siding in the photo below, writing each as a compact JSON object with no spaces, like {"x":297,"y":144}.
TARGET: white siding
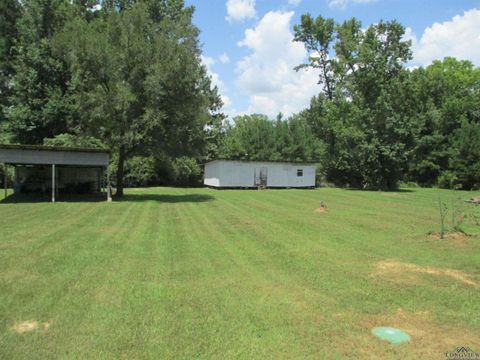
{"x":45,"y":157}
{"x":224,"y":173}
{"x":211,"y":176}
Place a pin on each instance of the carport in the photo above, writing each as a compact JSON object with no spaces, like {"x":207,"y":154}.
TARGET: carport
{"x":57,"y":170}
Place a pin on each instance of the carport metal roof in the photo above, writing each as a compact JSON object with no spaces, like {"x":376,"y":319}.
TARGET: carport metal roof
{"x":48,"y":155}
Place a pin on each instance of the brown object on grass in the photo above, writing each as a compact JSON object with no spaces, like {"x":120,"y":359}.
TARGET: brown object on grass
{"x":322,"y":208}
{"x":453,"y":235}
{"x":30,"y":325}
{"x":474,"y":200}
{"x":396,"y":269}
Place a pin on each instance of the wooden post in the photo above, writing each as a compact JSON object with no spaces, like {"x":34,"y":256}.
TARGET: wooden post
{"x":57,"y":188}
{"x":53,"y":183}
{"x":109,"y":189}
{"x":99,"y":180}
{"x":5,"y":179}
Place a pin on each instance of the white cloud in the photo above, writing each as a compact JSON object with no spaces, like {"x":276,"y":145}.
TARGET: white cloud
{"x":459,"y":37}
{"x":266,"y":75}
{"x":342,"y":4}
{"x":294,"y":2}
{"x":410,"y":35}
{"x":224,"y":58}
{"x":239,"y":10}
{"x":208,"y":62}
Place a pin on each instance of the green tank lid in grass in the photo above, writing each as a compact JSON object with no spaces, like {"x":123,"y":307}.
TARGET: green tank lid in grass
{"x":392,"y":335}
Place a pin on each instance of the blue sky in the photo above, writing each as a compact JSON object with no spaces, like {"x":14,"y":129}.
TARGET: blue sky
{"x":248,"y":50}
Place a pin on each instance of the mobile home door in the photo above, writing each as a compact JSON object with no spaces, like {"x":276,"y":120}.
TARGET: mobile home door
{"x":261,"y":176}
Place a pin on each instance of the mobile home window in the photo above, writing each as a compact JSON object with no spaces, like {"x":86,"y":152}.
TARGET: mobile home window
{"x":299,"y":172}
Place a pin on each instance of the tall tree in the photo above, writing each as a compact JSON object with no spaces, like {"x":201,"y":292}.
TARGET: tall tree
{"x":447,"y":97}
{"x":10,"y":12}
{"x":367,"y":71}
{"x":137,"y":78}
{"x":464,"y":160}
{"x":39,"y":105}
{"x":255,"y":137}
{"x":318,"y":36}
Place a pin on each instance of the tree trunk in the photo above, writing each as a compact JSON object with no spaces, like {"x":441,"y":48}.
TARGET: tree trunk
{"x":120,"y":170}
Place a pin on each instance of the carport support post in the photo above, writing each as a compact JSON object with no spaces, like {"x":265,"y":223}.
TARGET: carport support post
{"x":5,"y":180}
{"x":109,"y":190}
{"x":53,"y":182}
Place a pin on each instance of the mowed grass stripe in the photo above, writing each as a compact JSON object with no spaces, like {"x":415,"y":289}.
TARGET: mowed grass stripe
{"x":244,"y":283}
{"x":197,"y":273}
{"x":377,"y":237}
{"x":79,"y":267}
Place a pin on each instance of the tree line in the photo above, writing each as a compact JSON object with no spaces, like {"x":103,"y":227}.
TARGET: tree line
{"x":383,"y":123}
{"x":127,"y":75}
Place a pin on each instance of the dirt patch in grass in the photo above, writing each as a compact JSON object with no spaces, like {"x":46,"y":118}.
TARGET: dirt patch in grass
{"x":448,"y":235}
{"x":108,"y":230}
{"x":455,"y":237}
{"x":245,"y":223}
{"x":395,"y":205}
{"x":30,"y":325}
{"x":428,"y":338}
{"x":391,"y":194}
{"x":321,"y":210}
{"x":399,"y":270}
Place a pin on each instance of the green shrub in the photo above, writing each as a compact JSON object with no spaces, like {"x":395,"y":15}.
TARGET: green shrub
{"x":448,"y":180}
{"x":140,"y":171}
{"x":409,"y":184}
{"x":10,"y":175}
{"x":186,"y":172}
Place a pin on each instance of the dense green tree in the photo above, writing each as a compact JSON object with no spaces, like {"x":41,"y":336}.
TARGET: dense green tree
{"x":250,"y":137}
{"x":137,"y":79}
{"x":186,"y":171}
{"x":297,"y":141}
{"x":447,"y":97}
{"x":256,"y":137}
{"x":365,"y":81}
{"x":465,"y":156}
{"x":140,"y":171}
{"x":214,"y":136}
{"x":10,"y":12}
{"x":317,"y":34}
{"x":39,"y":105}
{"x":70,"y":140}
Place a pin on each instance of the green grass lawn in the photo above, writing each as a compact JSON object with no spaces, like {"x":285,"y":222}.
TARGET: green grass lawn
{"x":202,"y":274}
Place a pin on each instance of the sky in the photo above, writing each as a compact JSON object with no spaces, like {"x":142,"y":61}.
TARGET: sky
{"x":248,"y":49}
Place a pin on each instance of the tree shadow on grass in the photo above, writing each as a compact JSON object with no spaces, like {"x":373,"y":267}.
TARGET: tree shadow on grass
{"x":44,"y":198}
{"x":164,"y":198}
{"x":403,"y":190}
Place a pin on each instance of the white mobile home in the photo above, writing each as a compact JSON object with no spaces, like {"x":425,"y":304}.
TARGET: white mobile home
{"x":249,"y":174}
